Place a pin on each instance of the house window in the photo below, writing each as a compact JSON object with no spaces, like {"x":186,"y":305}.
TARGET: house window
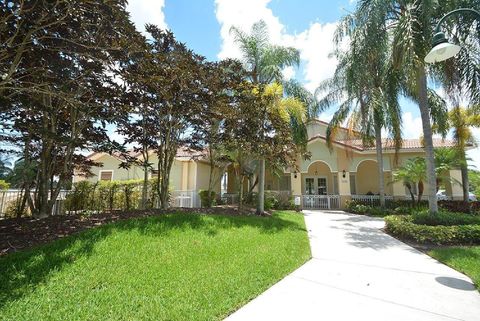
{"x":309,"y":186}
{"x":106,"y":175}
{"x":335,"y":184}
{"x":322,"y":186}
{"x":285,"y":183}
{"x":353,"y":185}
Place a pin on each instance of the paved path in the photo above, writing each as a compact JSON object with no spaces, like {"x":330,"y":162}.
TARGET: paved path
{"x":359,"y":273}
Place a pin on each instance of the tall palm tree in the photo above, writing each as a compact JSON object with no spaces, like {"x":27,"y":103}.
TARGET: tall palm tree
{"x":364,"y":84}
{"x":408,"y":26}
{"x":461,"y":120}
{"x":265,"y":63}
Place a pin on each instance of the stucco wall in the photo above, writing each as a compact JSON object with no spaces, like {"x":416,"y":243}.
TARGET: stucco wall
{"x":111,"y":163}
{"x":320,"y":151}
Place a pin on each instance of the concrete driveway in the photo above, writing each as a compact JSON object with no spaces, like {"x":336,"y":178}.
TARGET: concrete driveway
{"x":360,"y":273}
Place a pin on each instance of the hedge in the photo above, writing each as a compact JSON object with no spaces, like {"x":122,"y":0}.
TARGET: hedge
{"x":405,"y":228}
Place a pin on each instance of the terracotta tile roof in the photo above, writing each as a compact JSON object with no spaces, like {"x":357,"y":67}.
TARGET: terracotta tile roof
{"x":182,"y":152}
{"x":406,"y":144}
{"x":388,"y":144}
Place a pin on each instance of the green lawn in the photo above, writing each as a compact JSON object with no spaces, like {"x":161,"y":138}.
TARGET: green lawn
{"x":173,"y":267}
{"x":463,"y":259}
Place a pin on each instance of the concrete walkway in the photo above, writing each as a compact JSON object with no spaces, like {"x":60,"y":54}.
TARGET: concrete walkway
{"x":360,"y":273}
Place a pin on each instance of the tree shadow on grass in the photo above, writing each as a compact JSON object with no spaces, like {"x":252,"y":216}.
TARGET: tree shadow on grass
{"x":21,"y":272}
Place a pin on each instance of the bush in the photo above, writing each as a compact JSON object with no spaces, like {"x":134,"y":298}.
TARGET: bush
{"x":207,"y":198}
{"x":271,"y":201}
{"x":4,"y":185}
{"x":460,"y":206}
{"x":404,"y":227}
{"x":444,"y":218}
{"x":360,"y":208}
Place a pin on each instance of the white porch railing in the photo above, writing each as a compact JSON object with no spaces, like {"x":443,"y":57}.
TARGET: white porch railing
{"x":324,"y":202}
{"x":371,"y":200}
{"x":185,"y":199}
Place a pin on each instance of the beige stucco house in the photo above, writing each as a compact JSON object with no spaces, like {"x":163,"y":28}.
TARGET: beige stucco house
{"x":190,"y":173}
{"x":349,"y":171}
{"x":327,"y":180}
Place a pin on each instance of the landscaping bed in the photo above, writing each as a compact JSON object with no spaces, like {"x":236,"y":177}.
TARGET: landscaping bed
{"x":444,"y":228}
{"x":18,"y":234}
{"x":162,"y":267}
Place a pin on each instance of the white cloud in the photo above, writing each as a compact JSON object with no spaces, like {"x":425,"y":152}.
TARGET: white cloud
{"x":288,"y":73}
{"x":412,"y":126}
{"x":315,"y":44}
{"x":147,"y":11}
{"x":243,"y":14}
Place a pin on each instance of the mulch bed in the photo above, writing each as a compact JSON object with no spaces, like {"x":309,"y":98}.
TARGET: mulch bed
{"x":23,"y":233}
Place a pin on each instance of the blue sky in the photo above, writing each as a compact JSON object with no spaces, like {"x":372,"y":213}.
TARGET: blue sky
{"x":305,"y":24}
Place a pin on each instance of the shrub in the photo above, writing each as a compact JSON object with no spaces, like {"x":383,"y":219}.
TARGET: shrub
{"x":207,"y":198}
{"x":405,"y":228}
{"x":444,"y":218}
{"x":460,"y":206}
{"x":271,"y":201}
{"x":4,"y":185}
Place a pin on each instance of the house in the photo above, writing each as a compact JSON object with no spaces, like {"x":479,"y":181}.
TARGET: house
{"x":348,"y":170}
{"x":330,"y":178}
{"x":190,"y":173}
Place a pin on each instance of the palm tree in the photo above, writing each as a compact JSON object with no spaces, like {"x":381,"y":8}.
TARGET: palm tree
{"x":446,"y":159}
{"x":461,"y":120}
{"x":408,"y":26}
{"x":412,"y":173}
{"x":364,"y":84}
{"x":265,"y":63}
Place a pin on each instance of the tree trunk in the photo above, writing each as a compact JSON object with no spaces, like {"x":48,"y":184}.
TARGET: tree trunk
{"x":240,"y":193}
{"x":261,"y":187}
{"x":143,"y":205}
{"x":420,"y":192}
{"x":465,"y":182}
{"x":428,"y":141}
{"x":381,"y":178}
{"x":412,"y":197}
{"x":253,"y":185}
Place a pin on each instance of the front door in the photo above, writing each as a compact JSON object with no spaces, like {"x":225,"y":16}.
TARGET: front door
{"x":322,"y":186}
{"x":316,"y":186}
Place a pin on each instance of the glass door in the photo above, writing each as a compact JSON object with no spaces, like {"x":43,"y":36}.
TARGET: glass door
{"x":322,"y":186}
{"x":309,"y":186}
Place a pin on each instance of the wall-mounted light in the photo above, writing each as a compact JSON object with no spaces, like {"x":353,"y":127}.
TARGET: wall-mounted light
{"x":344,"y":174}
{"x":295,"y":174}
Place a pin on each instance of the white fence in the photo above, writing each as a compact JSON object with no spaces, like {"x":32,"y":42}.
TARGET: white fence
{"x":11,"y":198}
{"x":185,"y":199}
{"x":230,"y":198}
{"x":324,"y":202}
{"x":371,"y":200}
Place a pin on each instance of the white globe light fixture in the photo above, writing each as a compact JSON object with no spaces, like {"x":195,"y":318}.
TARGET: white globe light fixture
{"x":442,"y":49}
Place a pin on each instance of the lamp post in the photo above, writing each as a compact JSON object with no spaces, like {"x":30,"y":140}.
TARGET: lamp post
{"x":441,"y":48}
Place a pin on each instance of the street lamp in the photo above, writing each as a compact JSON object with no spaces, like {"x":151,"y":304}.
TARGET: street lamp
{"x":442,"y":49}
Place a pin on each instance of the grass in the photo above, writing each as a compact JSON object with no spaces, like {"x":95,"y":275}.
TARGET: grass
{"x":172,"y":267}
{"x":463,"y":259}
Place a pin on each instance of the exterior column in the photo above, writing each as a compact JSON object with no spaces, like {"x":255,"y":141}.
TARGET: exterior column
{"x":344,"y":188}
{"x":184,"y":186}
{"x":456,"y":185}
{"x":398,"y":190}
{"x":296,"y":184}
